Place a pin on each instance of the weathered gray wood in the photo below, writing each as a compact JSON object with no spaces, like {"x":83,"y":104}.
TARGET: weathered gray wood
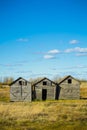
{"x":45,"y":89}
{"x":50,"y":87}
{"x":20,"y":92}
{"x":69,"y":90}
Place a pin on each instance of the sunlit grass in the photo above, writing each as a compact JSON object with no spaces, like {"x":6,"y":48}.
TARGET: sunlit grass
{"x":83,"y":90}
{"x":43,"y":115}
{"x":40,"y":115}
{"x":4,"y":94}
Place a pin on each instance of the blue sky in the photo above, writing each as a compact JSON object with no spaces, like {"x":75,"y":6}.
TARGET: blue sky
{"x":43,"y":38}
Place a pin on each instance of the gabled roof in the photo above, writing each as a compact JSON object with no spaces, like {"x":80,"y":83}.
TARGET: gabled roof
{"x":17,"y":80}
{"x":67,"y":78}
{"x":42,"y":80}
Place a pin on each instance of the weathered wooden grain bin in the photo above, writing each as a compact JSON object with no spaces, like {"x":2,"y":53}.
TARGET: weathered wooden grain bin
{"x":20,"y":90}
{"x":69,"y":88}
{"x":44,"y":89}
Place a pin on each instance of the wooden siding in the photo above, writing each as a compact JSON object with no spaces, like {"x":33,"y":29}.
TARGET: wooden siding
{"x":69,"y":90}
{"x":50,"y":88}
{"x":45,"y":89}
{"x":50,"y":92}
{"x":20,"y":92}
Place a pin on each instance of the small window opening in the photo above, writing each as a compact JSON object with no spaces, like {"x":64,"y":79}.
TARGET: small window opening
{"x":69,"y":81}
{"x":20,"y":82}
{"x":44,"y":83}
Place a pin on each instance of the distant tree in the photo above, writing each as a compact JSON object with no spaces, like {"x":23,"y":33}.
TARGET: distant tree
{"x":0,"y":80}
{"x":7,"y":80}
{"x":35,"y":80}
{"x":57,"y":79}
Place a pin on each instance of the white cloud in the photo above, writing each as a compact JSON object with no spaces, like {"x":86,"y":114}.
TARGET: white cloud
{"x":82,"y":50}
{"x":74,"y":42}
{"x":49,"y":57}
{"x":51,"y":54}
{"x":80,"y":66}
{"x":76,"y":49}
{"x":55,"y":51}
{"x":22,"y":40}
{"x":81,"y":54}
{"x":69,"y":50}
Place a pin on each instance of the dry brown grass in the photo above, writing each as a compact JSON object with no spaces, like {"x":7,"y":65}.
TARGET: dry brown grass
{"x":4,"y":94}
{"x":83,"y":90}
{"x":50,"y":110}
{"x":49,"y":115}
{"x":44,"y":113}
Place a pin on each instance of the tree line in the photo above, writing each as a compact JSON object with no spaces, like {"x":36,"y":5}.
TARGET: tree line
{"x":6,"y":80}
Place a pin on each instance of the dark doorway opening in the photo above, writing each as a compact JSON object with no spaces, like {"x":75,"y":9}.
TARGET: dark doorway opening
{"x":58,"y":89}
{"x":44,"y":94}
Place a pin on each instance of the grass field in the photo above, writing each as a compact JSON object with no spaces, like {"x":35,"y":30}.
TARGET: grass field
{"x":83,"y":90}
{"x":4,"y":94}
{"x":49,"y":115}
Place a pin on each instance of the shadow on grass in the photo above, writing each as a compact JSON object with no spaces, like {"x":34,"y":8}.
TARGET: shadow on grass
{"x":27,"y":125}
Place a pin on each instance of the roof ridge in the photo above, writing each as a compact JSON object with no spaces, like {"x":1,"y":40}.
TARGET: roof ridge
{"x":19,"y":79}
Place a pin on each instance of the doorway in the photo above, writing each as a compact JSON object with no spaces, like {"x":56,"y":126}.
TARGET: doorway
{"x":44,"y":94}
